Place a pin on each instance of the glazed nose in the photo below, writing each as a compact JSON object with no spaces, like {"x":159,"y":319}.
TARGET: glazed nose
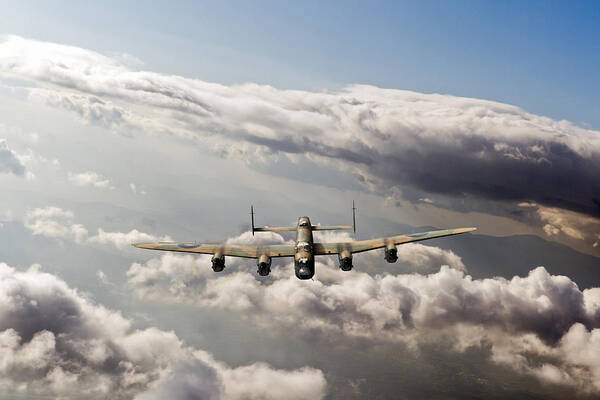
{"x":304,"y":273}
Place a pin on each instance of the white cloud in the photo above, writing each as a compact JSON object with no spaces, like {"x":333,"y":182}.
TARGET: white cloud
{"x":102,"y":277}
{"x":257,"y":239}
{"x":388,"y":138}
{"x":521,"y":319}
{"x":122,"y":240}
{"x":420,"y":257}
{"x":57,"y":223}
{"x":90,"y":109}
{"x":257,"y":381}
{"x":332,"y":236}
{"x":414,"y":256}
{"x":56,"y":343}
{"x":89,"y":178}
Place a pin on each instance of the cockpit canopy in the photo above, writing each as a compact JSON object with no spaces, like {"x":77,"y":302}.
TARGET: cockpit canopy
{"x":303,"y":223}
{"x":303,"y":246}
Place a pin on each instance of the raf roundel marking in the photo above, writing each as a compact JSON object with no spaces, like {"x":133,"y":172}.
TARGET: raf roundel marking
{"x":188,"y":246}
{"x":416,"y":235}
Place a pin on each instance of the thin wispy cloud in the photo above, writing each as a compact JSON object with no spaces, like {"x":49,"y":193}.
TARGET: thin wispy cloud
{"x":54,"y":222}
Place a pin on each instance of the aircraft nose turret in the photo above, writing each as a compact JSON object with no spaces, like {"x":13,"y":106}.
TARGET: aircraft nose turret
{"x":304,"y":272}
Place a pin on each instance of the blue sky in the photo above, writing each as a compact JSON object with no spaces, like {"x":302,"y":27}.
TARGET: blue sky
{"x":542,"y":56}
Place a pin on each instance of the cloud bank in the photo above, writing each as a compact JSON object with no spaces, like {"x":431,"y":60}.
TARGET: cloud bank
{"x":55,"y":342}
{"x":569,"y":224}
{"x":388,"y":138}
{"x":542,"y":325}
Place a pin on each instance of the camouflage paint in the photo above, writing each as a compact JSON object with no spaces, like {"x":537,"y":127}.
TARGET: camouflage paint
{"x":304,"y":251}
{"x":304,"y":260}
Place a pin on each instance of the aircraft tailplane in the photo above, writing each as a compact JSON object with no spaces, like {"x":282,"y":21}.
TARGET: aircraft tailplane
{"x":274,"y":228}
{"x":314,"y":227}
{"x":268,"y":228}
{"x":331,"y":228}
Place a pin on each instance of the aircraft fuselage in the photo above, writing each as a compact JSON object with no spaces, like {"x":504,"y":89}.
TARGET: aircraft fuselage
{"x":304,"y":259}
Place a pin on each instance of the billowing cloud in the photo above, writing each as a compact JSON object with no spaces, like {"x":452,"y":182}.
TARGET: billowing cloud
{"x":257,"y":381}
{"x":89,"y":178}
{"x":522,"y":319}
{"x":9,"y":161}
{"x":427,"y":258}
{"x":57,"y":223}
{"x":388,"y":138}
{"x":411,"y":256}
{"x":56,"y":342}
{"x":264,"y":238}
{"x":380,"y":306}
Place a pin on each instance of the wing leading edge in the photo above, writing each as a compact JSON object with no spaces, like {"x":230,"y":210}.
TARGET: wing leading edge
{"x":233,"y":250}
{"x":371,"y":244}
{"x":287,"y":250}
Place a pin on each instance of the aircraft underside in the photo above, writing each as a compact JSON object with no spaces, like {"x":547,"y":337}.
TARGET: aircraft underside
{"x":304,"y":250}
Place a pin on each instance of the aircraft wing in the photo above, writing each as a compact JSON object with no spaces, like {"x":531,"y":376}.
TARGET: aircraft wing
{"x":371,"y":244}
{"x":233,"y":250}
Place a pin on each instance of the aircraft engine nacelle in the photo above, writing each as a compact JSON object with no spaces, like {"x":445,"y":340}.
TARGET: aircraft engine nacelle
{"x":264,"y":265}
{"x":391,"y":253}
{"x":218,"y":262}
{"x":345,"y":258}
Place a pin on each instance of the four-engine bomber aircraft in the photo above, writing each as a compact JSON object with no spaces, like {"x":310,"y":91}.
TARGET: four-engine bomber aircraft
{"x":305,"y":250}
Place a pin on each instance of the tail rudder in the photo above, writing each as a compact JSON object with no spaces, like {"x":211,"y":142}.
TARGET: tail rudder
{"x":353,"y":217}
{"x":252,"y":218}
